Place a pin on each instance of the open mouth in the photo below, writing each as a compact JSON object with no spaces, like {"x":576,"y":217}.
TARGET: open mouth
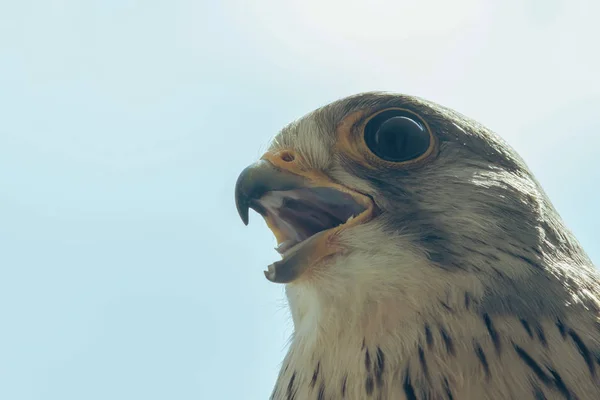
{"x":305,"y":210}
{"x":296,"y":215}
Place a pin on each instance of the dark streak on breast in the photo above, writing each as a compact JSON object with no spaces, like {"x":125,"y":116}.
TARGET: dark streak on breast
{"x":525,"y":259}
{"x":482,"y":358}
{"x":541,"y":336}
{"x":344,"y":386}
{"x":447,"y":341}
{"x":379,"y":367}
{"x":369,"y":385}
{"x":527,"y":328}
{"x":561,"y":328}
{"x":538,"y":394}
{"x":584,"y":351}
{"x":321,"y":395}
{"x":500,"y":274}
{"x":555,"y":381}
{"x":560,"y":384}
{"x":422,"y":361}
{"x":532,"y":263}
{"x":447,"y":389}
{"x":313,"y":381}
{"x":530,"y":362}
{"x":492,"y":331}
{"x":409,"y":391}
{"x":428,"y":336}
{"x":290,"y":393}
{"x":446,"y":306}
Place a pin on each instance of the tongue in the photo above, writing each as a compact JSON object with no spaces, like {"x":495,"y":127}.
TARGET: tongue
{"x":301,"y":213}
{"x":308,"y":216}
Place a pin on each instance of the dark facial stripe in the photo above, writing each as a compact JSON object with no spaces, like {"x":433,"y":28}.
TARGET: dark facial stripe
{"x":492,"y":331}
{"x":434,"y":240}
{"x":583,"y":350}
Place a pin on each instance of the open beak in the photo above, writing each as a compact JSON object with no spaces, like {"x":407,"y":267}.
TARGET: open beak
{"x":304,"y":209}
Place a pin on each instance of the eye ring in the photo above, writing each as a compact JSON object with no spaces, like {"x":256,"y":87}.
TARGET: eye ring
{"x":397,"y":136}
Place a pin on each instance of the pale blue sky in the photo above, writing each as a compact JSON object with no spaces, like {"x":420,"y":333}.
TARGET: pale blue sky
{"x":125,"y":272}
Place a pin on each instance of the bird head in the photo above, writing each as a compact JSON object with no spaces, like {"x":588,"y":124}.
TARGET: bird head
{"x":384,"y":199}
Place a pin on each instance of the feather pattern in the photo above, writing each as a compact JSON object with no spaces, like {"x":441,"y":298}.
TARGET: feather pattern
{"x":467,"y":286}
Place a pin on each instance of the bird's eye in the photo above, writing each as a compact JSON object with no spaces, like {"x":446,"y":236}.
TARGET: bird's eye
{"x":396,"y":136}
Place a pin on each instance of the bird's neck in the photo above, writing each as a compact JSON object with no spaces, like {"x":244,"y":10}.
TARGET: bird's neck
{"x":372,"y":329}
{"x":349,"y":347}
{"x":355,"y":345}
{"x":382,"y":343}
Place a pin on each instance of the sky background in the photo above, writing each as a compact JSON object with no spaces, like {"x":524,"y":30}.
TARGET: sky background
{"x":125,"y":272}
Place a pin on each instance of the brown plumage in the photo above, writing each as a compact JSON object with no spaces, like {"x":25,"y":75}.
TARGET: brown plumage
{"x":422,"y":260}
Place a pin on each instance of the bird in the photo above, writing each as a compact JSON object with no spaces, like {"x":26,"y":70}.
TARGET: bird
{"x":421,"y":259}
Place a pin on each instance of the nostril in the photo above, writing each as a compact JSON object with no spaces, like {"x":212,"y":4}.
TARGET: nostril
{"x":287,"y":156}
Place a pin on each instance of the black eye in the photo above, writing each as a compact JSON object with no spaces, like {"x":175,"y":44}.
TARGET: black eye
{"x":396,"y":136}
